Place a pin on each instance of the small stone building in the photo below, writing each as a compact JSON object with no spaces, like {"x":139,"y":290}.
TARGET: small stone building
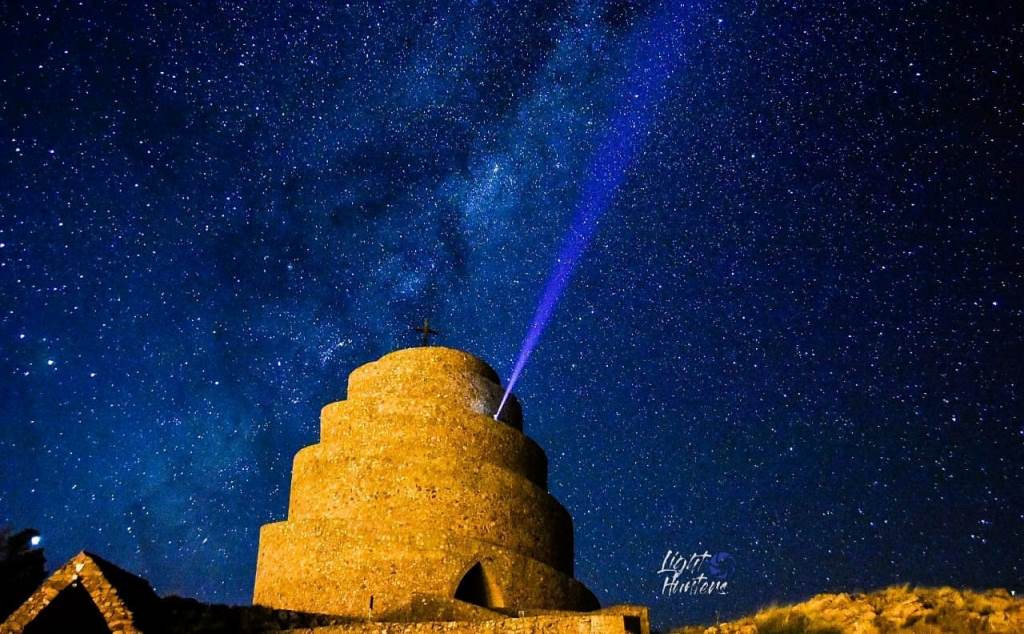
{"x":87,"y":594}
{"x":415,"y":489}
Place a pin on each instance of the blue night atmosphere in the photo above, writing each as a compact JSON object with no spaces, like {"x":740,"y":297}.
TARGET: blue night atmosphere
{"x":756,"y":267}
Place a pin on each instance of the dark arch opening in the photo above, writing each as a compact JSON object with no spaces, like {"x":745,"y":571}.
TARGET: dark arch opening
{"x":477,"y":588}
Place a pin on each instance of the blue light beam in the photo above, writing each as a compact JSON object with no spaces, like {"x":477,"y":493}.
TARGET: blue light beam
{"x":658,"y":51}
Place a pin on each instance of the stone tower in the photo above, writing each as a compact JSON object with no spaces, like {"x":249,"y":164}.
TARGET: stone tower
{"x":416,"y":491}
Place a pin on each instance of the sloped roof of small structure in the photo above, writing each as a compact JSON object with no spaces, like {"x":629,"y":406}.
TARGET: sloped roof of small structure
{"x":128,"y":605}
{"x":122,"y":599}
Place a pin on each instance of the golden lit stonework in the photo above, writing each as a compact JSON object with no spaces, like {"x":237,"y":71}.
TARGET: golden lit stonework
{"x":417,"y":502}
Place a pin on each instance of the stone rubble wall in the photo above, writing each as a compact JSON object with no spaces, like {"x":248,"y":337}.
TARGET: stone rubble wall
{"x":561,"y":624}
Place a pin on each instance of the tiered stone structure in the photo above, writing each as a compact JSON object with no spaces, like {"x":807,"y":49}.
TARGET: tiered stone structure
{"x":415,"y":493}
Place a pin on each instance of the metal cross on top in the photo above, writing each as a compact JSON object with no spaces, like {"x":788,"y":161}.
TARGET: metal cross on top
{"x":426,"y":331}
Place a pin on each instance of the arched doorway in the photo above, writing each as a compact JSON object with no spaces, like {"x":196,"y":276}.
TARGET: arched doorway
{"x":478,"y":588}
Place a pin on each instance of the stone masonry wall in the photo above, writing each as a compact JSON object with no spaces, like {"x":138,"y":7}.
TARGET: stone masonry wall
{"x":412,"y":484}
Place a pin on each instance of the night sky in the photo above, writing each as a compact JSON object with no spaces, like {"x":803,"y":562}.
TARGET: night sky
{"x":796,"y":335}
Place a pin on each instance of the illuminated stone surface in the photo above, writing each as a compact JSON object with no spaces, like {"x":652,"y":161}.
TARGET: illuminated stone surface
{"x":415,"y":490}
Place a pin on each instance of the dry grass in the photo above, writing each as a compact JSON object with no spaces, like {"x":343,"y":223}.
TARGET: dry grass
{"x":893,"y":610}
{"x":791,"y":622}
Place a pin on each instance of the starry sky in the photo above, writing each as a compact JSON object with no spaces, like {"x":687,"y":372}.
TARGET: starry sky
{"x":796,"y":335}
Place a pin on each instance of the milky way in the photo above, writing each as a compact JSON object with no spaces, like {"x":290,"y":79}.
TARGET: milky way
{"x":656,"y":50}
{"x":795,"y":337}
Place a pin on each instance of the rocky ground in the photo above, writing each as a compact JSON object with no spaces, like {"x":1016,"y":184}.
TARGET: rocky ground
{"x":896,"y":609}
